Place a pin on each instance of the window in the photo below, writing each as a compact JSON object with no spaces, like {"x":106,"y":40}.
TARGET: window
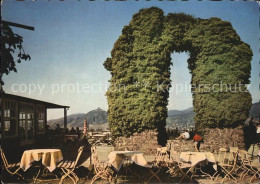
{"x":7,"y":126}
{"x":9,"y":118}
{"x":40,"y":118}
{"x":30,"y":126}
{"x":26,"y":122}
{"x":22,"y":122}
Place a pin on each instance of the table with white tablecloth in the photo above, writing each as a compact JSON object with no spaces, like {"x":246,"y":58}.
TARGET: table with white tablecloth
{"x":50,"y":158}
{"x":198,"y":157}
{"x":116,"y":158}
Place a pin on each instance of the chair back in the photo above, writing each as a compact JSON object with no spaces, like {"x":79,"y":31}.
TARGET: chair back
{"x":80,"y":150}
{"x":222,"y":155}
{"x":95,"y":160}
{"x":233,"y":152}
{"x":94,"y":156}
{"x":4,"y":158}
{"x":162,"y":155}
{"x":174,"y":157}
{"x":244,"y":157}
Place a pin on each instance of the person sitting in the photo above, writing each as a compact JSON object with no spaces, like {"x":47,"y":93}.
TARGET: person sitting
{"x":57,"y":129}
{"x":78,"y":132}
{"x":197,"y":139}
{"x":185,"y":135}
{"x":66,"y":130}
{"x":72,"y":130}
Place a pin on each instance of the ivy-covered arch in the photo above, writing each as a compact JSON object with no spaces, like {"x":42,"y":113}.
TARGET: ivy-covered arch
{"x":140,"y":68}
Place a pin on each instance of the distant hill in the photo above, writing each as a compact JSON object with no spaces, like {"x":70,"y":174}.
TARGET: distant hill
{"x":180,"y":117}
{"x":186,"y":116}
{"x":98,"y":117}
{"x":94,"y":117}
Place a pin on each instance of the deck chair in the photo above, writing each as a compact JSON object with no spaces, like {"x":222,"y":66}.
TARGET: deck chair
{"x":177,"y":167}
{"x":227,"y":163}
{"x":244,"y":164}
{"x":248,"y":166}
{"x":160,"y":161}
{"x":256,"y":172}
{"x":102,"y":169}
{"x":10,"y":168}
{"x":68,"y":168}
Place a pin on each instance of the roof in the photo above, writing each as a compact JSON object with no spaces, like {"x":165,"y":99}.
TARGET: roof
{"x":30,"y":100}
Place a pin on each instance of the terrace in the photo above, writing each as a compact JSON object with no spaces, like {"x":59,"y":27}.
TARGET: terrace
{"x":125,"y":166}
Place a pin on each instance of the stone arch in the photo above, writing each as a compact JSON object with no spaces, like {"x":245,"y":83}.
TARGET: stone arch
{"x":140,"y":67}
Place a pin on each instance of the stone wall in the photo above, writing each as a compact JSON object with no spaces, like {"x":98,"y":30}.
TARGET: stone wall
{"x":145,"y":141}
{"x":213,"y":140}
{"x":226,"y":137}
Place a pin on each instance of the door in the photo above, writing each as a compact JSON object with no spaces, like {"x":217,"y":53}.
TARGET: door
{"x":26,"y":125}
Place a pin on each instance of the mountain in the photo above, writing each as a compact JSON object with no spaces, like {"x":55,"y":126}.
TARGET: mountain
{"x":178,"y":118}
{"x":98,"y":117}
{"x":185,"y":117}
{"x":94,"y":117}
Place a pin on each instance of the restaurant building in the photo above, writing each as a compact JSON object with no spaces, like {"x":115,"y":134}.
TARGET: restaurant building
{"x":24,"y":120}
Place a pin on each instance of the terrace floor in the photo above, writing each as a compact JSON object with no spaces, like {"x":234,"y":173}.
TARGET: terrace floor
{"x":86,"y":175}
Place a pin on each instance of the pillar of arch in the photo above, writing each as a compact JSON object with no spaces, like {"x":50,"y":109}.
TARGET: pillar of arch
{"x":140,"y":68}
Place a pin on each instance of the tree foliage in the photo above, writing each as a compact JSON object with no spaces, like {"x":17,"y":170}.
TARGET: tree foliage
{"x":11,"y":44}
{"x":140,"y":68}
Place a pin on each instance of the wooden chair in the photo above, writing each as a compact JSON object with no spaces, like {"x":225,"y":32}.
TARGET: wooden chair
{"x":248,"y":166}
{"x":227,"y":163}
{"x":244,"y":164}
{"x":160,"y":161}
{"x":102,"y":169}
{"x":10,"y":168}
{"x":256,"y":172}
{"x":176,"y":167}
{"x":68,"y":167}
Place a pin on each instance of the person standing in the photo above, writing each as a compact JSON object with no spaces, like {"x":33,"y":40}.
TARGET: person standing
{"x":197,"y":139}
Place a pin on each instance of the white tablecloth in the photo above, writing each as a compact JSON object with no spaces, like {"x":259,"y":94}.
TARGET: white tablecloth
{"x":116,"y":158}
{"x":198,"y":157}
{"x":50,"y":158}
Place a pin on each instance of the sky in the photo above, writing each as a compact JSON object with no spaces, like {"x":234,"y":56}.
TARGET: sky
{"x":73,"y":38}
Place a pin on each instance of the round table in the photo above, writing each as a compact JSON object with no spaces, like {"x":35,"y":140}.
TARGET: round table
{"x":49,"y":157}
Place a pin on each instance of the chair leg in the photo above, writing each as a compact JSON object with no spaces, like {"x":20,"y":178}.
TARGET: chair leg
{"x":103,"y":174}
{"x":15,"y":172}
{"x":154,"y":174}
{"x":98,"y":175}
{"x":228,"y":174}
{"x":186,"y":174}
{"x":35,"y":179}
{"x":254,"y":176}
{"x":66,"y":174}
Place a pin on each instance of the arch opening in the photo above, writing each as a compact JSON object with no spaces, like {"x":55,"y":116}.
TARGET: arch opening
{"x":180,"y":96}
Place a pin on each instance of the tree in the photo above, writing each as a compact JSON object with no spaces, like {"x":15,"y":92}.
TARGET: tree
{"x":140,"y":68}
{"x":11,"y":44}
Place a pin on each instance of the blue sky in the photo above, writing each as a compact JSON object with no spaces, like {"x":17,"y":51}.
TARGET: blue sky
{"x":73,"y":38}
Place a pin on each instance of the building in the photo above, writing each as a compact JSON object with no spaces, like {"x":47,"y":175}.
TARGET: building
{"x":24,"y":120}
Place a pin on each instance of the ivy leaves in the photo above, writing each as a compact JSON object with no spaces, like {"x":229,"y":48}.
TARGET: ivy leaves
{"x":141,"y":55}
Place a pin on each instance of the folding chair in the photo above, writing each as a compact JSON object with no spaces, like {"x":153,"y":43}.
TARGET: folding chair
{"x":177,"y":167}
{"x":68,"y":167}
{"x":160,"y":161}
{"x":227,"y":163}
{"x":244,"y":164}
{"x":102,"y":169}
{"x":11,"y":168}
{"x":256,"y":172}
